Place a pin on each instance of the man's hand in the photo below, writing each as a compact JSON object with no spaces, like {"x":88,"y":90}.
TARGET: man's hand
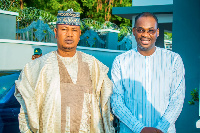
{"x":151,"y":130}
{"x":33,"y":57}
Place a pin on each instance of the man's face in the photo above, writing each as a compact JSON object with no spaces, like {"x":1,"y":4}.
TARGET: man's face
{"x":36,"y":56}
{"x":67,"y":37}
{"x":146,"y":33}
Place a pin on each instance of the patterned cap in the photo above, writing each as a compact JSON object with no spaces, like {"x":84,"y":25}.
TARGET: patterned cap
{"x":37,"y":51}
{"x":68,"y":17}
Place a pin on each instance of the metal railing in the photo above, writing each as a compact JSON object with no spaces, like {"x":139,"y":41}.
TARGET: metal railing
{"x":42,"y":32}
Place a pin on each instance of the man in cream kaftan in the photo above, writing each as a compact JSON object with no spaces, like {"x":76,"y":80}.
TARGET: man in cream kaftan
{"x":61,"y":93}
{"x":38,"y":91}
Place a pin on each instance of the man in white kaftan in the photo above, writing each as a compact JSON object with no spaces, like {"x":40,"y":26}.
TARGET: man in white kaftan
{"x":148,"y":83}
{"x":65,"y":90}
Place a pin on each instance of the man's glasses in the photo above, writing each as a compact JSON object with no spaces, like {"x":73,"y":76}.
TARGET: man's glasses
{"x":150,"y":31}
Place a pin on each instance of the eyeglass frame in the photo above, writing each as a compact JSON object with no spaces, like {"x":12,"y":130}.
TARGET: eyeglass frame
{"x":146,"y":30}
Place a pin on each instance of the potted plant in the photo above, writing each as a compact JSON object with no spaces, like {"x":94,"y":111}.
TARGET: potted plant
{"x":195,"y":96}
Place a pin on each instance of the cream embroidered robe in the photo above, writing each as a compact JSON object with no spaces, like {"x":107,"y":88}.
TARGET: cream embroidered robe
{"x":38,"y":92}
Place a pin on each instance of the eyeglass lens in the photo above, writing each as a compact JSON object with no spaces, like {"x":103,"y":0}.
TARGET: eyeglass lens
{"x":150,"y":31}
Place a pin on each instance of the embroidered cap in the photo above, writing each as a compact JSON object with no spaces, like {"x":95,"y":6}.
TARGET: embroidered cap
{"x":37,"y":51}
{"x":68,"y":17}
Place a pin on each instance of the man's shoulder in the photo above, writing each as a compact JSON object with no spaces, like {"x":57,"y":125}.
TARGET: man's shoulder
{"x":126,"y":54}
{"x":41,"y":61}
{"x":168,"y":52}
{"x":171,"y":56}
{"x":87,"y":58}
{"x":91,"y":60}
{"x":85,"y":55}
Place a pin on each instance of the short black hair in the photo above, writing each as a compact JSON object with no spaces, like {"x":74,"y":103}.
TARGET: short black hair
{"x":146,"y":14}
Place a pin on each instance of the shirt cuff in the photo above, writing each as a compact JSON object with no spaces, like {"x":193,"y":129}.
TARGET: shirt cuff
{"x":161,"y":128}
{"x":138,"y":127}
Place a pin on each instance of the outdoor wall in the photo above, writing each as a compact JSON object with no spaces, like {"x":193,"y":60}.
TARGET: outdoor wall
{"x":186,"y":27}
{"x":7,"y":24}
{"x":151,"y":2}
{"x":16,"y":53}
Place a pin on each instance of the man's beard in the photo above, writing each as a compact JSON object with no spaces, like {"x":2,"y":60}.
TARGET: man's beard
{"x":143,"y":48}
{"x":68,"y":48}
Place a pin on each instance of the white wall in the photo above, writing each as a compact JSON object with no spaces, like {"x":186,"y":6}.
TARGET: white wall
{"x":16,"y":53}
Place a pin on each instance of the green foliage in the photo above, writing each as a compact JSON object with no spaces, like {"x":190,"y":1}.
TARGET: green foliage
{"x":88,"y":23}
{"x":98,"y":10}
{"x":195,"y":96}
{"x":124,"y":31}
{"x":168,"y":36}
{"x":119,"y":20}
{"x":101,"y":10}
{"x":28,"y":14}
{"x":9,"y":5}
{"x":53,"y":6}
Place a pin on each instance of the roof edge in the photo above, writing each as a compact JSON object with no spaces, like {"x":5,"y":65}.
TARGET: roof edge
{"x":128,"y":12}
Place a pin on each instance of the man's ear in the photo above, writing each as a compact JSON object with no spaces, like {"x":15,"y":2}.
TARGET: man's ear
{"x":133,"y":30}
{"x":80,"y":36}
{"x":55,"y":31}
{"x":157,"y":32}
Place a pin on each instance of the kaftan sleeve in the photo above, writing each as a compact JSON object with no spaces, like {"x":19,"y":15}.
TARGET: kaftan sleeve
{"x":177,"y":96}
{"x":22,"y":117}
{"x":119,"y":108}
{"x":24,"y":93}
